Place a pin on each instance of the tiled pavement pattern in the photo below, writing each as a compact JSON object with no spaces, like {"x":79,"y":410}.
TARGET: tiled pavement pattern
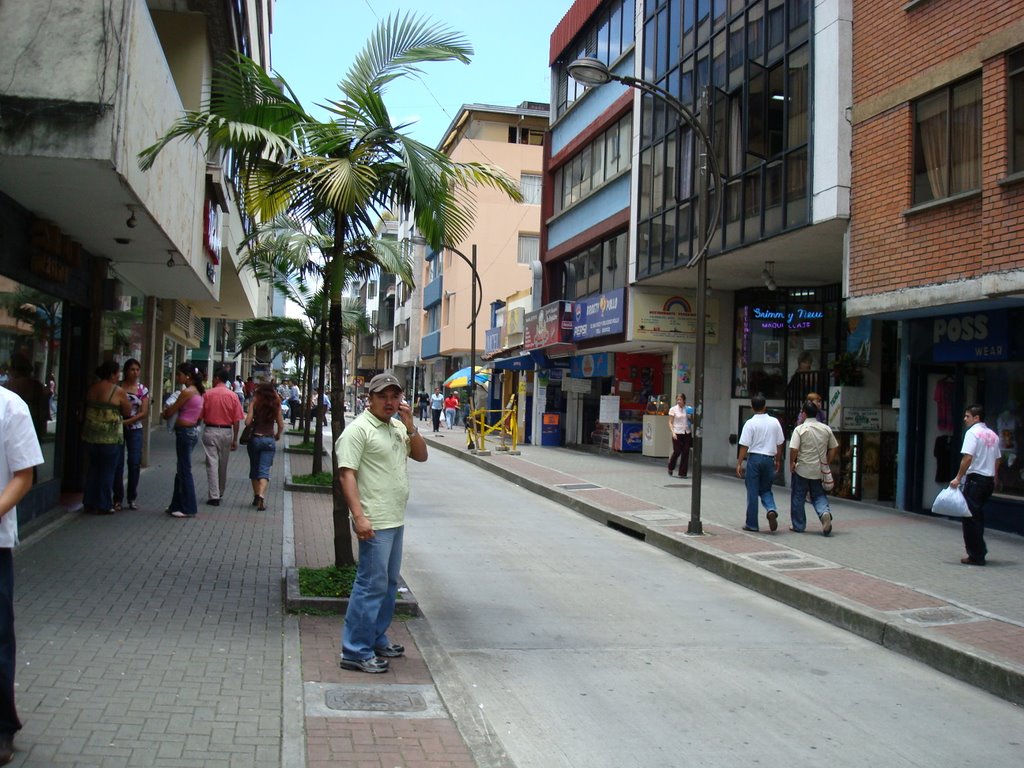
{"x":898,"y":571}
{"x":144,"y":640}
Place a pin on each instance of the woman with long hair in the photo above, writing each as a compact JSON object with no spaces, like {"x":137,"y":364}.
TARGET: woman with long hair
{"x":188,"y":407}
{"x":138,"y":396}
{"x":268,"y":426}
{"x":106,"y":404}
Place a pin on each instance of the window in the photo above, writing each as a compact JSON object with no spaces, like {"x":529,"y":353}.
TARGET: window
{"x":1015,"y":67}
{"x":604,"y":158}
{"x":947,"y":142}
{"x":605,"y":38}
{"x":529,"y":186}
{"x":597,"y":269}
{"x":529,"y":249}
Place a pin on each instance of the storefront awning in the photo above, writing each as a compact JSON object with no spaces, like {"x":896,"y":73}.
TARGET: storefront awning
{"x":521,"y":362}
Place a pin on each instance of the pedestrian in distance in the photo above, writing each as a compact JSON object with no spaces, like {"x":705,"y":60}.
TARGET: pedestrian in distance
{"x":372,"y":455}
{"x":976,"y":478}
{"x":761,"y":446}
{"x":138,"y":396}
{"x":222,"y":410}
{"x":682,"y":438}
{"x":436,"y":408}
{"x":268,"y":425}
{"x":19,"y":455}
{"x":187,"y":410}
{"x":811,"y":445}
{"x":294,"y":402}
{"x":815,"y":398}
{"x":451,"y":407}
{"x":106,"y":406}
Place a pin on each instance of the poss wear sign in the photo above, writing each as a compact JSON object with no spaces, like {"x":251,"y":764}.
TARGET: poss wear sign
{"x":970,"y":337}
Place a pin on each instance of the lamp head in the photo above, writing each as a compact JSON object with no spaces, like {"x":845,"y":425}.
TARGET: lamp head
{"x":590,"y":71}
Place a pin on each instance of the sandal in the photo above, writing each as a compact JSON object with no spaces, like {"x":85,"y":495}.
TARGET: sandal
{"x":255,"y":500}
{"x":117,"y":506}
{"x":262,"y":505}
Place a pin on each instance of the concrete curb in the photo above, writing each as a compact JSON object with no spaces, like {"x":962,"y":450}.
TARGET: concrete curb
{"x":306,"y":488}
{"x":296,"y":602}
{"x":990,"y":673}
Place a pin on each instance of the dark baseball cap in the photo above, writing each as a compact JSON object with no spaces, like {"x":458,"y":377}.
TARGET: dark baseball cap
{"x":382,"y":381}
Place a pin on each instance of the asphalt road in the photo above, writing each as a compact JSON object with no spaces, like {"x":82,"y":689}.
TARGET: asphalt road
{"x":579,"y":646}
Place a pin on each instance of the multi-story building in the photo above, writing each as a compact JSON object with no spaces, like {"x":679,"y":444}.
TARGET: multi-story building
{"x":99,"y":260}
{"x":621,"y":193}
{"x":937,"y":234}
{"x":505,"y":233}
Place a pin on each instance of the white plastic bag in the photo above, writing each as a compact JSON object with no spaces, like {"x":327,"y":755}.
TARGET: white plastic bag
{"x":950,"y":503}
{"x":171,"y":400}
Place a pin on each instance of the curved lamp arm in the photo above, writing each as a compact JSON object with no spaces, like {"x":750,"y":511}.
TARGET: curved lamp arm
{"x":593,"y":72}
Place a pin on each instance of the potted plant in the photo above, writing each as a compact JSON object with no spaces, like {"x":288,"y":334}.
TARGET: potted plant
{"x":846,"y":371}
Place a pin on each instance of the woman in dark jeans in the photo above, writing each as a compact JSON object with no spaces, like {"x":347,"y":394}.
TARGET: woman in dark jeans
{"x":189,"y":409}
{"x":268,"y":426}
{"x":138,"y":396}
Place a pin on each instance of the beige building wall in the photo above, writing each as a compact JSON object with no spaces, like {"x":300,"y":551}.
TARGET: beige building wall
{"x":499,"y":223}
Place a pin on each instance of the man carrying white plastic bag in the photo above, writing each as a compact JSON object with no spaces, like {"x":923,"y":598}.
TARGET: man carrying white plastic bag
{"x":976,"y":477}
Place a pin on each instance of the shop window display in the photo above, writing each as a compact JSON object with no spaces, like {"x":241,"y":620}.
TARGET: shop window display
{"x":30,"y":339}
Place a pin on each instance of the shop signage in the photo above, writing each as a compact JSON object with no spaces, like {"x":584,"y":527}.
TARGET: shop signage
{"x":578,"y":386}
{"x":594,"y":366}
{"x":549,"y":325}
{"x":53,"y":254}
{"x":492,"y":340}
{"x":794,"y":318}
{"x":211,"y":230}
{"x":671,"y":317}
{"x":861,"y":419}
{"x":608,"y":412}
{"x":600,"y":315}
{"x":970,"y":337}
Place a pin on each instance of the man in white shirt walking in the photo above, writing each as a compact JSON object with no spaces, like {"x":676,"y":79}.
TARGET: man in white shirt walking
{"x":761,"y":444}
{"x":976,"y":478}
{"x":811,"y":444}
{"x":19,"y":454}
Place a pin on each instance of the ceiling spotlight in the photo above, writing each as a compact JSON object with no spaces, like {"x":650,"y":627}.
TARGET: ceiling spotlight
{"x":768,"y":276}
{"x":132,"y":222}
{"x":170,"y":260}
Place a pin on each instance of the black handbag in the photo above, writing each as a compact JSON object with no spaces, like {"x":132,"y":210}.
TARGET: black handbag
{"x":246,"y":435}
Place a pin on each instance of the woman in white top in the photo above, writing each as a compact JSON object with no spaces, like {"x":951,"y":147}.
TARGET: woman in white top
{"x":679,"y":422}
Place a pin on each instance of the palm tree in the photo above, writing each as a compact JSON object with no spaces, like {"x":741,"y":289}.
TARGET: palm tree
{"x":350,"y":167}
{"x":287,"y":252}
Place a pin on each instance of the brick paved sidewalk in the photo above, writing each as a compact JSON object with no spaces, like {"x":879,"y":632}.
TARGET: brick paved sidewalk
{"x":891,"y":576}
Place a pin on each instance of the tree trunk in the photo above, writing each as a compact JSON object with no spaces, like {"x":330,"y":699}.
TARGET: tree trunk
{"x":321,"y":340}
{"x":342,"y":530}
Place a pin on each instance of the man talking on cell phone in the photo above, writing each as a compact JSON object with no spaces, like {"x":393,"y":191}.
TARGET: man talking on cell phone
{"x":372,"y":455}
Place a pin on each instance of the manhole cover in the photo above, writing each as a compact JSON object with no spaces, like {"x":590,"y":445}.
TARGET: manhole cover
{"x":773,"y":557}
{"x":375,"y":701}
{"x":787,"y":561}
{"x":577,"y":486}
{"x":937,"y":617}
{"x":650,"y":517}
{"x":402,"y":701}
{"x":798,"y":565}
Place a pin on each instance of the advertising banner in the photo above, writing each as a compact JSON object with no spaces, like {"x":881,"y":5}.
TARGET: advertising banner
{"x":601,"y":315}
{"x":671,"y":317}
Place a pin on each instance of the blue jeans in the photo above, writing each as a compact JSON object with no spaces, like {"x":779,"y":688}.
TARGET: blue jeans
{"x":133,"y":447}
{"x":261,"y":457}
{"x":796,"y":506}
{"x":99,"y":480}
{"x":759,"y":476}
{"x":9,"y":722}
{"x":372,"y":603}
{"x":184,"y":497}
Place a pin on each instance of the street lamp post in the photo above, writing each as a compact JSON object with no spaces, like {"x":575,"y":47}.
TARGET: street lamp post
{"x":593,"y":72}
{"x":475,"y":302}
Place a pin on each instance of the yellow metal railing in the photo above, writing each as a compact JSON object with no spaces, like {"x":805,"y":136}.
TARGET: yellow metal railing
{"x":506,"y":425}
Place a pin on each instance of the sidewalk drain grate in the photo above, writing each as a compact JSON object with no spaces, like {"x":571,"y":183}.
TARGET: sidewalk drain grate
{"x":408,"y":701}
{"x":787,"y":561}
{"x":937,"y":617}
{"x":577,"y":486}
